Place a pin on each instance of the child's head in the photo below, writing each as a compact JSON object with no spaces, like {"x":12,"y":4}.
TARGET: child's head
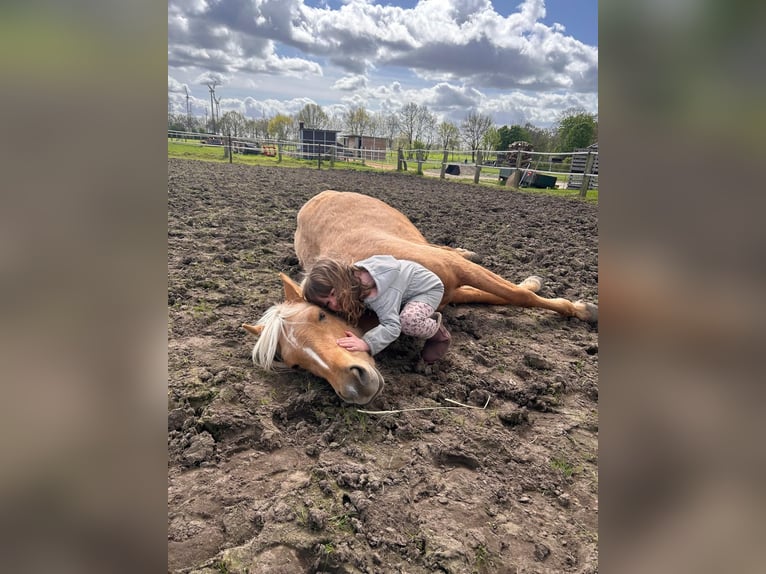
{"x":337,"y":281}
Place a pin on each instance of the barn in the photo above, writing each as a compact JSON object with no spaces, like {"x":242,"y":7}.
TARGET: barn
{"x":315,"y":141}
{"x":367,"y":147}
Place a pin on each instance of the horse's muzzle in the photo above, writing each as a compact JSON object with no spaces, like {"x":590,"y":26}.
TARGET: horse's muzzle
{"x":363,"y":385}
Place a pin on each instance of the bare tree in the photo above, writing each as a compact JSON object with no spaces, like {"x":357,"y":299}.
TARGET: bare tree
{"x":473,"y":129}
{"x":426,"y":132}
{"x":335,"y":121}
{"x":391,"y":128}
{"x":257,"y":128}
{"x":417,"y":124}
{"x":356,"y":120}
{"x":408,"y":118}
{"x":313,"y":116}
{"x":448,"y":135}
{"x":233,"y":123}
{"x":377,"y":126}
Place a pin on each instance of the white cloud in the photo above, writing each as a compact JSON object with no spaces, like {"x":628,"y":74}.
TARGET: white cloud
{"x":350,"y":83}
{"x":174,"y":86}
{"x":455,"y":53}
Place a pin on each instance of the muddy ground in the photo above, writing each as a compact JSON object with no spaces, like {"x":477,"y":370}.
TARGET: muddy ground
{"x":274,"y":473}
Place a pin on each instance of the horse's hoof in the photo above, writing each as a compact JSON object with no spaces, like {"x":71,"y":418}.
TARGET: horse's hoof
{"x":533,"y":283}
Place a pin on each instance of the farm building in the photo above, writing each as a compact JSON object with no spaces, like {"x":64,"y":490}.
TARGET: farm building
{"x":315,"y":141}
{"x":374,"y":148}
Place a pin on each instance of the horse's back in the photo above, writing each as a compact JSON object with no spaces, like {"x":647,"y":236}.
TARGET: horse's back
{"x":351,"y":226}
{"x":356,"y":211}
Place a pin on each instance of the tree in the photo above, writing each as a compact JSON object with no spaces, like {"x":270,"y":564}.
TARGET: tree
{"x":313,"y":116}
{"x":448,"y":135}
{"x":575,"y":129}
{"x":416,"y":123}
{"x":473,"y":128}
{"x":356,"y":120}
{"x":377,"y":126}
{"x":513,"y":134}
{"x":541,"y":139}
{"x":391,"y":128}
{"x":426,"y":131}
{"x":407,"y":119}
{"x":335,"y":121}
{"x":177,"y":122}
{"x":233,"y":124}
{"x":280,"y":126}
{"x":257,"y":128}
{"x":491,"y":139}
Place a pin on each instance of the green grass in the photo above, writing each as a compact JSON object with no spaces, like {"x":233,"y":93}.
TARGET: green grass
{"x":564,"y":467}
{"x":192,"y":149}
{"x":591,"y":196}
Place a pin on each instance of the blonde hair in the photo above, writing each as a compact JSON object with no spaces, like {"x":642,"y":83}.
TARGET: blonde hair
{"x":328,"y":274}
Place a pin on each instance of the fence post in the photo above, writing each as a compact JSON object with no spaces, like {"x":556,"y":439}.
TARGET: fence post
{"x":419,"y":159}
{"x":279,"y":152}
{"x":585,"y":185}
{"x":332,"y":157}
{"x":515,"y":178}
{"x":319,"y":157}
{"x":400,"y":163}
{"x":231,"y":150}
{"x":444,"y":164}
{"x":477,"y":169}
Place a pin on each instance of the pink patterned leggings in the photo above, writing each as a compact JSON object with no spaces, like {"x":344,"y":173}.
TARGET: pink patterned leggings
{"x":416,"y":319}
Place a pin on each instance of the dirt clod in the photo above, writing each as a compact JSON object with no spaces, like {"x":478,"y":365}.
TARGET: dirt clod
{"x":273,"y":473}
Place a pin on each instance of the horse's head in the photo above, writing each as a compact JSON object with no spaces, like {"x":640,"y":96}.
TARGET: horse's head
{"x":299,"y":334}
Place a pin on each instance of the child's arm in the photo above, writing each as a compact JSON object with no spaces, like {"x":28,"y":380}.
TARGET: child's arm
{"x":383,"y":335}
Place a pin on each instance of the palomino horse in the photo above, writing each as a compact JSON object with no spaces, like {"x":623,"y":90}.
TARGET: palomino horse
{"x":350,"y":227}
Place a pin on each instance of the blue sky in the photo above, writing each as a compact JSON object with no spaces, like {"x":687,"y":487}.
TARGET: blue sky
{"x":519,"y":61}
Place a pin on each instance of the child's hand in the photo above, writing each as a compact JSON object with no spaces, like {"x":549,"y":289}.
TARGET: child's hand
{"x":353,"y":343}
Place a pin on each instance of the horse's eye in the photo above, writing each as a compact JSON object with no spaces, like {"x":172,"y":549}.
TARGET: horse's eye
{"x":322,"y":316}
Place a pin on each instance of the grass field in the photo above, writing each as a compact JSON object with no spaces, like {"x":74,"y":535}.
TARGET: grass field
{"x":191,"y":149}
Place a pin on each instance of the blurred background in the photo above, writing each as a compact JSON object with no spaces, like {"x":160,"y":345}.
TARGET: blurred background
{"x":83,"y":334}
{"x":83,"y":267}
{"x":681,"y":269}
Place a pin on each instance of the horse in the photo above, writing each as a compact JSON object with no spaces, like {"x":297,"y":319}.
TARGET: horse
{"x":349,"y":227}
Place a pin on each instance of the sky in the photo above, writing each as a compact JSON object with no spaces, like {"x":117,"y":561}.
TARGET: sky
{"x":516,"y":61}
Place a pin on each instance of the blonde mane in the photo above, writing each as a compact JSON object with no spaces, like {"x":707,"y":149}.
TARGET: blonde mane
{"x":273,"y":321}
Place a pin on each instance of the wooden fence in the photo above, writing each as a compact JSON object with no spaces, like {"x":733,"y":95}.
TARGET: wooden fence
{"x":527,"y":169}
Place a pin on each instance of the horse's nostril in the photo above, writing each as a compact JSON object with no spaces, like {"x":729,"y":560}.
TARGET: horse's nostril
{"x":359,"y":373}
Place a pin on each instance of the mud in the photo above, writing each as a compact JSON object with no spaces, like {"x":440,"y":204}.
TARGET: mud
{"x":274,"y":473}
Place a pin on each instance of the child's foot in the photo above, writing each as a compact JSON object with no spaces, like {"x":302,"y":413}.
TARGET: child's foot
{"x":436,"y":347}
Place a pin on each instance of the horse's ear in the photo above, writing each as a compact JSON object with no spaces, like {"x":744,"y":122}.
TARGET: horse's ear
{"x":293,"y":291}
{"x":254,"y":329}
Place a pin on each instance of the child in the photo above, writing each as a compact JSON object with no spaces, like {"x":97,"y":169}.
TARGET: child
{"x":403,"y":294}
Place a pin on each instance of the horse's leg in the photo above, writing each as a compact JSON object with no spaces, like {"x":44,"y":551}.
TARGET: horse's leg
{"x":466,"y":294}
{"x":465,"y":253}
{"x":484,"y":280}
